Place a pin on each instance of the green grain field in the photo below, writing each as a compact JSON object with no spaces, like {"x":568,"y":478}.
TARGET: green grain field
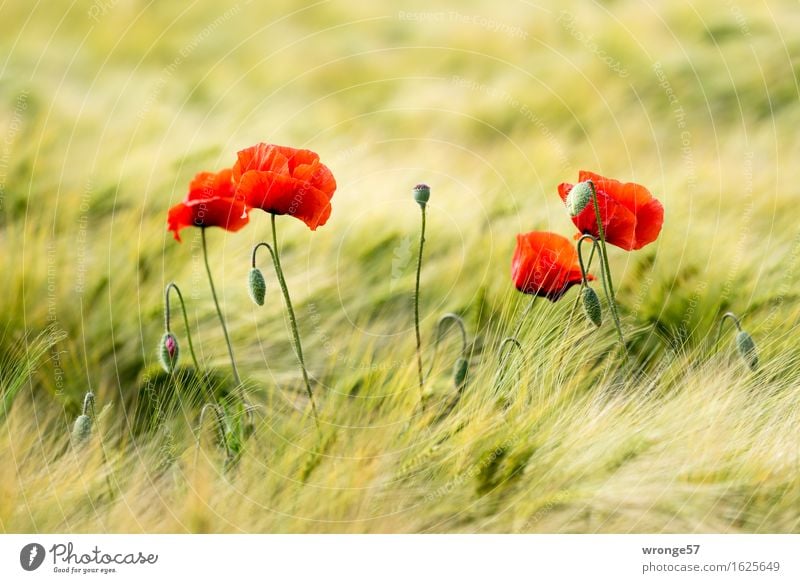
{"x":109,"y":108}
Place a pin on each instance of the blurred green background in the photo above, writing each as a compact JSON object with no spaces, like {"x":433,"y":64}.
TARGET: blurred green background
{"x":109,"y":108}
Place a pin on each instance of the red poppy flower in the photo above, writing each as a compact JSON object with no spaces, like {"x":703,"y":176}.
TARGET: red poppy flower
{"x":211,"y":202}
{"x":545,"y":264}
{"x":631,"y":217}
{"x":285,"y":181}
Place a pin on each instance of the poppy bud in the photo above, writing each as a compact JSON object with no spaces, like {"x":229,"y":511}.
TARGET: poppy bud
{"x":591,"y":306}
{"x":257,"y":286}
{"x":460,"y":372}
{"x":578,"y":198}
{"x":82,"y":429}
{"x":169,"y":351}
{"x":422,"y":193}
{"x":747,"y":348}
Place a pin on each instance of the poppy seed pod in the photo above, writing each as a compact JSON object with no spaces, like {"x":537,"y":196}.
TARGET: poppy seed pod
{"x":169,"y":351}
{"x":257,"y":286}
{"x":591,"y":306}
{"x":460,"y":372}
{"x":578,"y":198}
{"x":82,"y":429}
{"x":747,"y":348}
{"x":422,"y":193}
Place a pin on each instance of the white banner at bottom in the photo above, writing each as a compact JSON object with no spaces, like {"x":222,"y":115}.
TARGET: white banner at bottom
{"x":401,"y":558}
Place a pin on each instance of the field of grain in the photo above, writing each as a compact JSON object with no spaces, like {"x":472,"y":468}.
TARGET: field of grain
{"x":109,"y":108}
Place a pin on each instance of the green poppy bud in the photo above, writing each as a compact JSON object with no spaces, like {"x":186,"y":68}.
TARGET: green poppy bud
{"x":169,"y":351}
{"x":82,"y":429}
{"x":578,"y":198}
{"x":257,"y":286}
{"x":747,"y":349}
{"x":591,"y":306}
{"x":460,"y":372}
{"x":422,"y":193}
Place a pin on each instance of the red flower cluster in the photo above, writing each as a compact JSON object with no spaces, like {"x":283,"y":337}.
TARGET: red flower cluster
{"x":631,"y":217}
{"x":546,"y":264}
{"x":277,"y":179}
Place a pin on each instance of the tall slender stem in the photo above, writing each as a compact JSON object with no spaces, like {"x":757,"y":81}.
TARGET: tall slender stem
{"x":219,"y":311}
{"x":173,"y":286}
{"x":292,"y":319}
{"x":416,"y":304}
{"x":604,"y":257}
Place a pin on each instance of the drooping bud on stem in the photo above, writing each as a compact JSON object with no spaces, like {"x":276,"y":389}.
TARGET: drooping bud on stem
{"x":591,"y":306}
{"x":298,"y":347}
{"x":82,"y":429}
{"x":745,"y":344}
{"x":747,"y":349}
{"x":257,"y":286}
{"x":579,"y":197}
{"x":460,"y":370}
{"x":422,"y":194}
{"x":169,"y":351}
{"x":461,"y":365}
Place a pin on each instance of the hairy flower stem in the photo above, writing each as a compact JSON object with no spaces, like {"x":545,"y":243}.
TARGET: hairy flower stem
{"x":236,"y":378}
{"x":298,"y":348}
{"x":173,"y":286}
{"x":416,"y":305}
{"x":607,"y":282}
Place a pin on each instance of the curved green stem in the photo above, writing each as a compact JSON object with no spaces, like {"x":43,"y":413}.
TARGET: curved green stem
{"x":219,"y":310}
{"x":584,"y":271}
{"x":173,"y":286}
{"x":513,"y":338}
{"x":449,"y":317}
{"x":508,"y":340}
{"x":256,"y":248}
{"x":585,"y":267}
{"x":220,"y":427}
{"x":416,"y":304}
{"x":609,"y":285}
{"x":503,"y":356}
{"x":734,"y":319}
{"x":292,"y":319}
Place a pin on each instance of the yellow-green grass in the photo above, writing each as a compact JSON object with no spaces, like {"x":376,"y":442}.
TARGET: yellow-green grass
{"x":106,"y":112}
